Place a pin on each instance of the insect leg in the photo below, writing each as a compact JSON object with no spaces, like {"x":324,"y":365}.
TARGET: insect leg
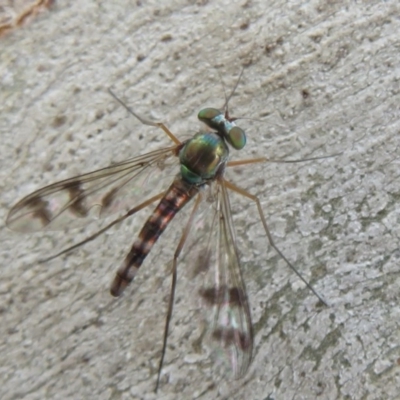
{"x":145,"y":121}
{"x":101,"y":231}
{"x":173,"y":285}
{"x":271,"y":160}
{"x":254,"y":198}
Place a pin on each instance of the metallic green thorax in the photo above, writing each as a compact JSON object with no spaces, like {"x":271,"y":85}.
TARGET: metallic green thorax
{"x":203,"y":156}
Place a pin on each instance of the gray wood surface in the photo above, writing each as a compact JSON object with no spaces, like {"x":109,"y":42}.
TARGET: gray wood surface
{"x":321,"y":78}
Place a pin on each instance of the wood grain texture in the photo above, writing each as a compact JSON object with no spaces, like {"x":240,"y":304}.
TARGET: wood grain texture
{"x":320,"y":78}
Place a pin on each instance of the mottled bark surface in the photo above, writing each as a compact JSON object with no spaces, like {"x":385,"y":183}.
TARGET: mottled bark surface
{"x":320,"y":79}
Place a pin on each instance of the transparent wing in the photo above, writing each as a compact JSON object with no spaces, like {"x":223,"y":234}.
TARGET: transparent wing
{"x":223,"y":293}
{"x":75,"y":201}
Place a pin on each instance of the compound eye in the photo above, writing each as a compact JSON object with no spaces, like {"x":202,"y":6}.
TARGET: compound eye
{"x":208,"y":115}
{"x":236,"y":138}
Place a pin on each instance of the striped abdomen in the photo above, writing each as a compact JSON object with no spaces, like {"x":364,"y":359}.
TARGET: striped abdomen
{"x":178,"y":194}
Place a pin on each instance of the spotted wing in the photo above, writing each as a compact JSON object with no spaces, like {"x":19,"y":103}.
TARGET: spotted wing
{"x":223,"y":293}
{"x":75,"y":201}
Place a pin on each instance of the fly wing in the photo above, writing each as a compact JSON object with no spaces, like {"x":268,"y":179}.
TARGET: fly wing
{"x":224,"y":292}
{"x":75,"y":201}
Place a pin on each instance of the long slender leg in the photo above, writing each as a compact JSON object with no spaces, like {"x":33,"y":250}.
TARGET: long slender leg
{"x":98,"y":233}
{"x":271,"y":160}
{"x":173,"y":285}
{"x":254,"y":198}
{"x":147,"y":121}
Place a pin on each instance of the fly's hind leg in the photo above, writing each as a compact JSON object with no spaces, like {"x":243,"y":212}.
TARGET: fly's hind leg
{"x":173,"y":285}
{"x":256,"y":200}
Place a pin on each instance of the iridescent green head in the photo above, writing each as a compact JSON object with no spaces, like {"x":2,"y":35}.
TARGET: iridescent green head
{"x":226,"y":128}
